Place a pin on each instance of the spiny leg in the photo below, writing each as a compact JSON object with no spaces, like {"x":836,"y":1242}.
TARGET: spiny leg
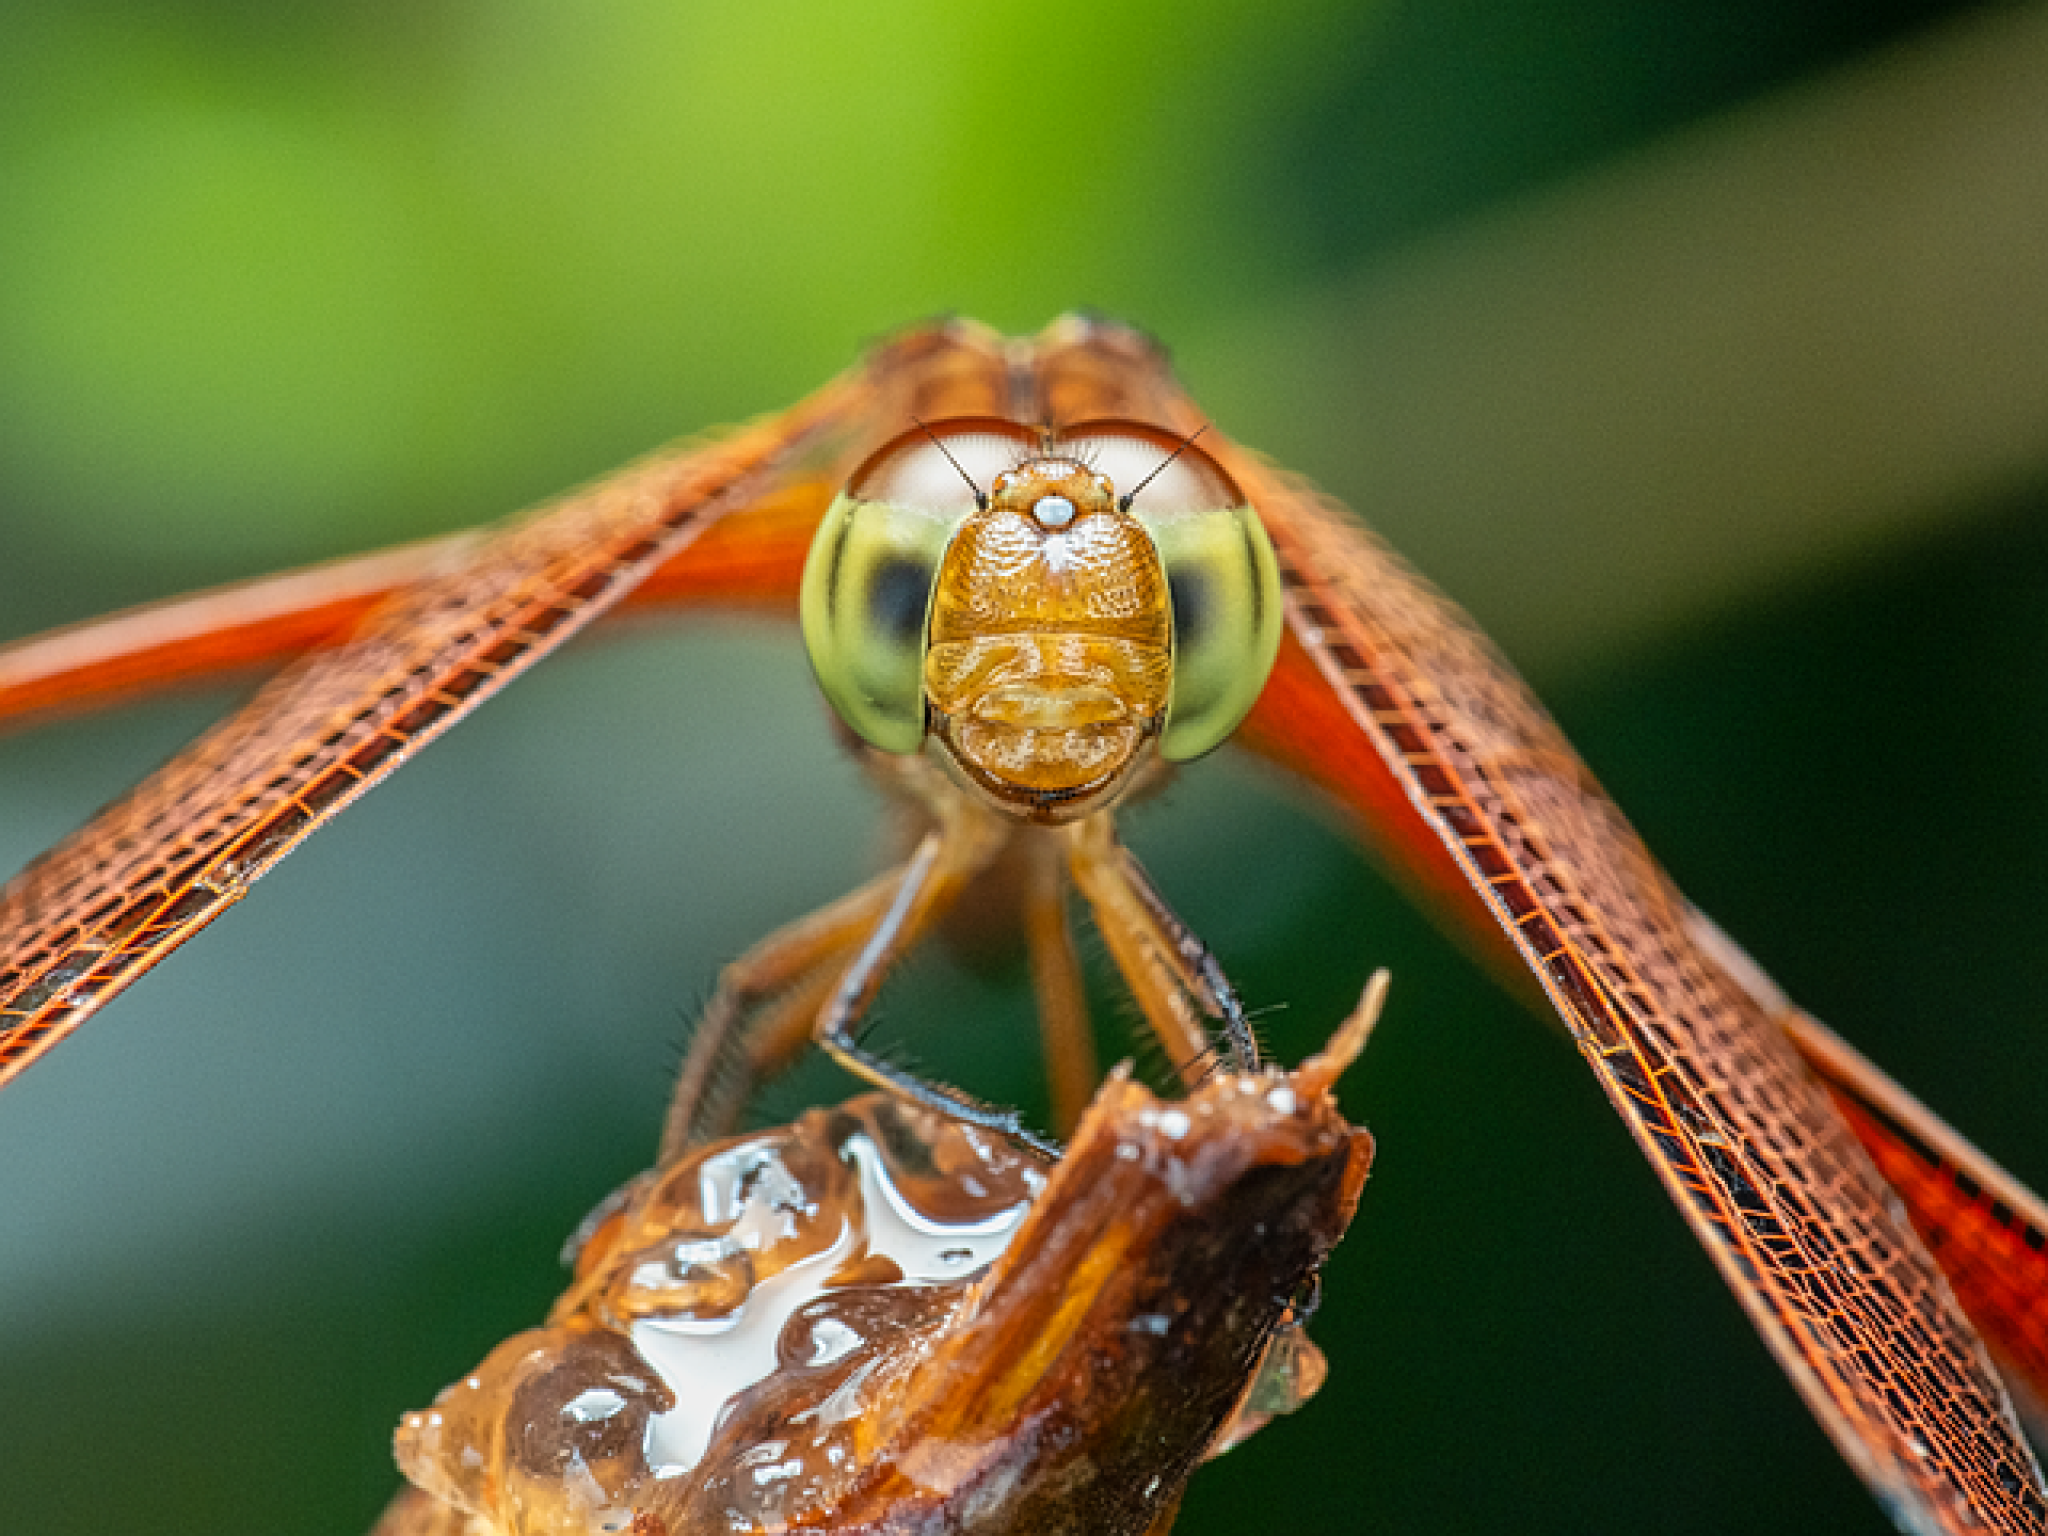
{"x":1069,"y":1042}
{"x":760,"y":1016}
{"x":1175,"y":979}
{"x":963,"y":842}
{"x":1174,"y":1019}
{"x":815,"y":979}
{"x":1195,"y":966}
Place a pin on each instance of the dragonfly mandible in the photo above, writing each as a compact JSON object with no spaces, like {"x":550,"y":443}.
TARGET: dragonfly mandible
{"x":1383,"y":697}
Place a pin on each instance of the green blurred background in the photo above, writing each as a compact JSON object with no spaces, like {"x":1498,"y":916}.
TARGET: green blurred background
{"x":1700,"y":348}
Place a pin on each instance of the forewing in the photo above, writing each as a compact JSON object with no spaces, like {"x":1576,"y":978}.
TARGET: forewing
{"x":750,"y":556}
{"x":1770,"y":1177}
{"x":251,"y":624}
{"x":148,"y":872}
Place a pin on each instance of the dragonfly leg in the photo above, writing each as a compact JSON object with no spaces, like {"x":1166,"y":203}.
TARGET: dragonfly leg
{"x":815,"y":978}
{"x":963,"y":842}
{"x":1175,"y":979}
{"x":760,"y":1016}
{"x":1069,"y":1042}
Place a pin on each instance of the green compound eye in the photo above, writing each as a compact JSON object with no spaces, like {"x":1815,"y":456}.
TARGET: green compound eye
{"x":868,"y":580}
{"x":1219,"y":568}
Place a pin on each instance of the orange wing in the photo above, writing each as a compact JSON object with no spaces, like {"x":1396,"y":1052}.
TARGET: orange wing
{"x":1384,"y":697}
{"x":1988,"y":1231}
{"x":748,"y":555}
{"x":103,"y":906}
{"x":1423,"y":728}
{"x":404,"y":644}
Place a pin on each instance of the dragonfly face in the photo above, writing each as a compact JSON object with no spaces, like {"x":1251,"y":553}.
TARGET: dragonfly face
{"x":1050,"y":654}
{"x":1110,"y":595}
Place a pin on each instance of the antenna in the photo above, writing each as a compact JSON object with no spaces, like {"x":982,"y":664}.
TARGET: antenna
{"x":1123,"y":502}
{"x":980,"y":496}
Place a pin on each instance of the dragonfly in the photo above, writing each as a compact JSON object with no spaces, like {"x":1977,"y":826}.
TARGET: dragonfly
{"x":1788,"y":1155}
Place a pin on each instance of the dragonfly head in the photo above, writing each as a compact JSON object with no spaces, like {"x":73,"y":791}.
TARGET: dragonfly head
{"x":1108,"y":598}
{"x":1049,"y":648}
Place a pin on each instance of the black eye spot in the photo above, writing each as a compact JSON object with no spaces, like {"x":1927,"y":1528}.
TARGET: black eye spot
{"x":898,"y":589}
{"x":1191,"y":605}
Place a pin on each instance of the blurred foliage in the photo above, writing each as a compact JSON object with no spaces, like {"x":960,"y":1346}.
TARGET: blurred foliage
{"x":283,"y":282}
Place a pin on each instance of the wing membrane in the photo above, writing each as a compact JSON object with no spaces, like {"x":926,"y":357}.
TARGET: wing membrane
{"x":1987,"y":1230}
{"x":751,"y":556}
{"x":103,"y":906}
{"x":1746,"y":1142}
{"x":206,"y":634}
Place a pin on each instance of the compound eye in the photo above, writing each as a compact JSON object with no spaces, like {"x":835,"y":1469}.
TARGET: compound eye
{"x":1220,"y":572}
{"x":868,"y":580}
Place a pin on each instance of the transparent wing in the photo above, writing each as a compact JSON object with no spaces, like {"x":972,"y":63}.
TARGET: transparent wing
{"x":749,"y":556}
{"x":1401,"y":708}
{"x":149,"y":871}
{"x":1988,"y":1231}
